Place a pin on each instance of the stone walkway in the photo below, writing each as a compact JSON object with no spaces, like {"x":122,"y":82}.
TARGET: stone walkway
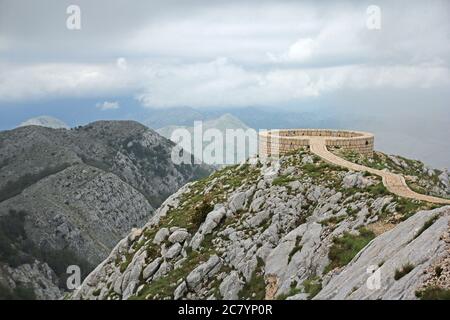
{"x":395,"y":183}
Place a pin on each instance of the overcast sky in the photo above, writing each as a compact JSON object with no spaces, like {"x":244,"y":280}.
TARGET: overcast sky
{"x":234,"y":54}
{"x":220,"y":53}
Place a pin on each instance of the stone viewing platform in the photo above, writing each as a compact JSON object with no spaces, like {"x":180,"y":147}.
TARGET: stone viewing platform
{"x":280,"y":142}
{"x":286,"y":140}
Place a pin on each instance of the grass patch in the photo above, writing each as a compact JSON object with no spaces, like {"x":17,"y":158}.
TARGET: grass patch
{"x":403,"y":271}
{"x":255,"y":289}
{"x":317,"y":170}
{"x":345,"y":248}
{"x":332,"y":220}
{"x":378,"y":189}
{"x":282,"y":180}
{"x":426,"y":225}
{"x":312,"y":286}
{"x":407,"y":207}
{"x":124,"y":265}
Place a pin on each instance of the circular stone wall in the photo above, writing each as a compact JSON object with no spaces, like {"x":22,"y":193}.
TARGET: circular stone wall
{"x":286,"y":140}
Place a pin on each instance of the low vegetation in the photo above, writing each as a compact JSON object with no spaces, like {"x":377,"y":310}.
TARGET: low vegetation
{"x":426,"y":225}
{"x":403,"y":271}
{"x":166,"y":285}
{"x":17,"y":249}
{"x":345,"y":248}
{"x":20,"y":292}
{"x":433,"y":293}
{"x":312,"y":286}
{"x":255,"y":288}
{"x":190,"y":214}
{"x":14,"y":187}
{"x":282,"y":180}
{"x":422,"y":179}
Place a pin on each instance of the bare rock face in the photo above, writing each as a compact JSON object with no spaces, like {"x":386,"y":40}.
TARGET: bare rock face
{"x":72,"y":195}
{"x":231,"y":286}
{"x":355,"y":180}
{"x":286,"y":229}
{"x":107,"y":206}
{"x":389,"y":254}
{"x":30,"y":281}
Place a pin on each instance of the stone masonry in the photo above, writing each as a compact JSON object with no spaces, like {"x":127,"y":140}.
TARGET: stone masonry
{"x":280,"y":142}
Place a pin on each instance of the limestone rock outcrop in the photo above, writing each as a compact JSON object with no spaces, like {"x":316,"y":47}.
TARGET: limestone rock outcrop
{"x":290,"y":229}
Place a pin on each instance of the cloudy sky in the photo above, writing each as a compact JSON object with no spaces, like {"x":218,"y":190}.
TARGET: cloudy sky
{"x":226,"y":54}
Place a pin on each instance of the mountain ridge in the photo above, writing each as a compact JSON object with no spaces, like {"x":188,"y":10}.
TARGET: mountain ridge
{"x":287,"y":229}
{"x":78,"y":191}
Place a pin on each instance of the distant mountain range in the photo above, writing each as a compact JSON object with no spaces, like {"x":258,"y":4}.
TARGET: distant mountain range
{"x":222,"y":124}
{"x":68,"y":196}
{"x":258,"y":118}
{"x":45,"y":121}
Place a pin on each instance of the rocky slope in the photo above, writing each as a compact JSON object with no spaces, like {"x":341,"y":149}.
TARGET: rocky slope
{"x":419,"y":177}
{"x":296,"y":228}
{"x":68,"y":196}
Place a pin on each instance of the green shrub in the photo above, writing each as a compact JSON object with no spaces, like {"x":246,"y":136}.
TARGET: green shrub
{"x":23,"y":292}
{"x":332,"y":220}
{"x":312,"y":286}
{"x":438,"y":270}
{"x":433,"y":293}
{"x":378,"y":189}
{"x":407,"y":207}
{"x":201,"y":212}
{"x":346,"y":247}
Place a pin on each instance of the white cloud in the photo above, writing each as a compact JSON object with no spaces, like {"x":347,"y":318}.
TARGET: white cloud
{"x":300,"y":51}
{"x":122,"y":63}
{"x":34,"y":81}
{"x":218,"y":83}
{"x":107,"y":105}
{"x":222,"y":83}
{"x":272,"y":53}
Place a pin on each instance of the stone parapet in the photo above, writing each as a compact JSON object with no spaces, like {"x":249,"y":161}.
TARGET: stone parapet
{"x":283,"y":141}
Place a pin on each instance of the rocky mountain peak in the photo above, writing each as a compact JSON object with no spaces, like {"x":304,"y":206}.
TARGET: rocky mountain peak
{"x":294,"y":228}
{"x":71,"y":195}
